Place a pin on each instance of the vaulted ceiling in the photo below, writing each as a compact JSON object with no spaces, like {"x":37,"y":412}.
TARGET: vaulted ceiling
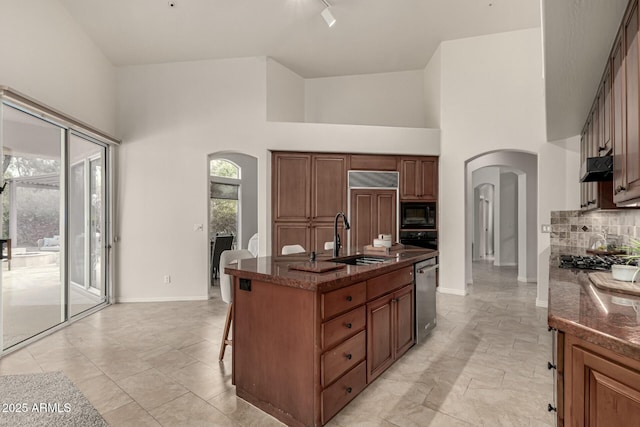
{"x":370,"y":36}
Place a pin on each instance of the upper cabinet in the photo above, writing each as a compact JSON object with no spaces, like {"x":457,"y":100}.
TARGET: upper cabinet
{"x":291,"y":187}
{"x":418,"y":178}
{"x":626,"y":118}
{"x":308,"y":190}
{"x":329,"y":183}
{"x":613,"y":124}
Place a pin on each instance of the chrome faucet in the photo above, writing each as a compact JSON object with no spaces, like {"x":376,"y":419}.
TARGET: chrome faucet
{"x":336,"y":236}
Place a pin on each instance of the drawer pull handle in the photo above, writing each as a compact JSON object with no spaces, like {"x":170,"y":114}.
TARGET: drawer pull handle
{"x":349,"y":298}
{"x":348,"y":325}
{"x":349,"y":389}
{"x":349,"y":356}
{"x":551,"y":408}
{"x":551,"y":366}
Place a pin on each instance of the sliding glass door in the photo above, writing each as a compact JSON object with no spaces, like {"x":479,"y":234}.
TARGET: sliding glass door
{"x":54,"y":225}
{"x":33,"y":295}
{"x":86,"y":224}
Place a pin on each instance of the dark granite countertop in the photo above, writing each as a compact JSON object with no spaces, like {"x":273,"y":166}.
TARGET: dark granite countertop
{"x":278,"y":271}
{"x":608,"y":319}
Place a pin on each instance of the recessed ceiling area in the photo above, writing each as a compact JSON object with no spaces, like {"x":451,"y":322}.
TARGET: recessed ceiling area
{"x":370,"y":36}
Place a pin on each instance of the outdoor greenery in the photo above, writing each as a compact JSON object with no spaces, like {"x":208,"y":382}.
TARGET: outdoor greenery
{"x":224,"y":168}
{"x":223,"y":212}
{"x":224,"y":216}
{"x":38,"y":209}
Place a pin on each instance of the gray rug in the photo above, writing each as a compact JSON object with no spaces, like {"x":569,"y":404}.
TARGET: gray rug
{"x":48,"y":399}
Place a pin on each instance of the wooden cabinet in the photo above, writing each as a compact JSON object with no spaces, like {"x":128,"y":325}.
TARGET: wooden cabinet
{"x":373,"y":212}
{"x":601,"y":388}
{"x":618,"y":104}
{"x":291,"y":187}
{"x":626,"y":111}
{"x":418,"y":178}
{"x":329,"y":186}
{"x":371,"y":162}
{"x":302,"y":355}
{"x":390,"y":319}
{"x":307,"y":192}
{"x":390,"y":329}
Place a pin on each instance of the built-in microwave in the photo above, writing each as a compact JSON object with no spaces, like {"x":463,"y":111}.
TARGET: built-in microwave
{"x":418,"y":215}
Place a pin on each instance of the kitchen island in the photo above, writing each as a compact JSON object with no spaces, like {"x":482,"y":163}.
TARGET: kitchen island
{"x":597,"y":351}
{"x":306,"y":343}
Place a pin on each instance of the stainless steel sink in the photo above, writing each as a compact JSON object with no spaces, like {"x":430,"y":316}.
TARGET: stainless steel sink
{"x":361,"y":260}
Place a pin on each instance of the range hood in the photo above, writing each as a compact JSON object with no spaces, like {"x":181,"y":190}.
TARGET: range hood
{"x":597,"y":169}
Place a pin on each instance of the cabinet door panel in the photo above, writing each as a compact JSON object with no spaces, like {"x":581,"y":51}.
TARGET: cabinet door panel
{"x":429,"y":177}
{"x":291,"y":234}
{"x":604,"y":392}
{"x":362,"y":215}
{"x":291,"y":186}
{"x":369,"y":162}
{"x":618,"y":110}
{"x":322,"y":233}
{"x":329,"y":178}
{"x":379,"y":336}
{"x":405,"y":315}
{"x":409,"y":170}
{"x":605,"y":111}
{"x":632,"y":154}
{"x":385,"y":215}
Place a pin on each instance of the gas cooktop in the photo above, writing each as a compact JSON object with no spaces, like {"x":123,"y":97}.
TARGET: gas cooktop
{"x":590,"y":262}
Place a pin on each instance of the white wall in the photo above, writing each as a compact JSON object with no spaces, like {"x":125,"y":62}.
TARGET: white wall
{"x":508,"y":219}
{"x":385,"y":99}
{"x":432,"y":90}
{"x":558,"y":191}
{"x":285,"y":94}
{"x":171,"y":117}
{"x":47,"y":56}
{"x":492,"y":99}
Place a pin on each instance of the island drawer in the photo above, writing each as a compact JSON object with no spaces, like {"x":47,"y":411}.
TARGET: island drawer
{"x":342,"y":327}
{"x":344,"y":299}
{"x":343,"y":391}
{"x":388,"y":282}
{"x":345,"y":356}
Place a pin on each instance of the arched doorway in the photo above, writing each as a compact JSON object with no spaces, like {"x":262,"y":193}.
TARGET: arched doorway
{"x":513,"y":176}
{"x":232,"y":184}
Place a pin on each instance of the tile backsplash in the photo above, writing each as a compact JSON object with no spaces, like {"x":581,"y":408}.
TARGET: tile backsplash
{"x":575,"y":228}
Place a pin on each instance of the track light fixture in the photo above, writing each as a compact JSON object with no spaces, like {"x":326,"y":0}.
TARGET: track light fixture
{"x":327,"y":15}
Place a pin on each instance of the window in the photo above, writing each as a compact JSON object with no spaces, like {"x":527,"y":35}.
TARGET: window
{"x":224,"y":196}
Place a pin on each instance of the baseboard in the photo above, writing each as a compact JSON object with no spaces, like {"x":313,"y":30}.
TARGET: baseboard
{"x":452,"y":291}
{"x":162,"y":299}
{"x":542,"y":303}
{"x":527,"y":279}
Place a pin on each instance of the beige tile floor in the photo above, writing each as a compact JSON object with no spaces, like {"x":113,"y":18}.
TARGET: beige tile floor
{"x":156,"y":364}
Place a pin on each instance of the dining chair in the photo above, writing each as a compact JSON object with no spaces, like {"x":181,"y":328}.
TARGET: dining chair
{"x":220,"y":243}
{"x":226,"y":291}
{"x":292,"y":249}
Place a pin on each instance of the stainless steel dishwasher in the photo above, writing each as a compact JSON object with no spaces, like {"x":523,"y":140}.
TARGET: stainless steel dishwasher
{"x":426,"y":278}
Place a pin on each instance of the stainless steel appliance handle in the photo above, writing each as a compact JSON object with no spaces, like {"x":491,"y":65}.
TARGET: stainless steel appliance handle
{"x":428,"y":269}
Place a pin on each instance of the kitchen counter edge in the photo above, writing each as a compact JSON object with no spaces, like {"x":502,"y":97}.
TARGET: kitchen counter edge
{"x":277,"y":271}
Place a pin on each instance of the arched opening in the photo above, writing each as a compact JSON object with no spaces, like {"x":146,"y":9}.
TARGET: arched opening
{"x":501,"y":212}
{"x":232,"y":183}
